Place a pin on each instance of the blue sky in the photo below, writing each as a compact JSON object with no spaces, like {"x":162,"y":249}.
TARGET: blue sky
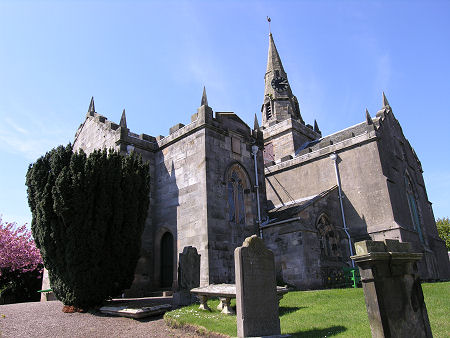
{"x":153,"y":58}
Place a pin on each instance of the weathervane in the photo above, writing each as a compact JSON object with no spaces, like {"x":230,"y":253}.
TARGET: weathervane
{"x":268,"y":20}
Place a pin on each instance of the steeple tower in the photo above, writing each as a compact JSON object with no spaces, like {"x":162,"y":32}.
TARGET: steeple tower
{"x":284,"y":130}
{"x":279,"y":102}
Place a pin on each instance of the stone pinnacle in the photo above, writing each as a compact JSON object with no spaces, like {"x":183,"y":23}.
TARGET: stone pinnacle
{"x":385,"y":101}
{"x":368,"y":118}
{"x":256,"y":124}
{"x":316,"y":127}
{"x":91,"y":106}
{"x":123,"y":119}
{"x":204,"y":98}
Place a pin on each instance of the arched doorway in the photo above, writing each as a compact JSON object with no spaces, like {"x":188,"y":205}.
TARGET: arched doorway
{"x":167,"y":260}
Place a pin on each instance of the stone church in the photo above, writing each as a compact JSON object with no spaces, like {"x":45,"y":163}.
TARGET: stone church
{"x":216,"y":181}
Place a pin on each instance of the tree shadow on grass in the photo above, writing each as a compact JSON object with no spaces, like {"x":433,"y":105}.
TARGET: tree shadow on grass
{"x":326,"y":332}
{"x":284,"y":310}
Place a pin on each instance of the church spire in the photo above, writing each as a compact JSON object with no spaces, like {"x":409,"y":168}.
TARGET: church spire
{"x":273,"y":58}
{"x":123,"y":119}
{"x":91,"y":106}
{"x":279,"y":102}
{"x":284,"y":130}
{"x":204,"y":98}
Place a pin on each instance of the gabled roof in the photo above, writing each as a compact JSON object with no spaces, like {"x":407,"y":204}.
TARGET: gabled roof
{"x":291,"y":209}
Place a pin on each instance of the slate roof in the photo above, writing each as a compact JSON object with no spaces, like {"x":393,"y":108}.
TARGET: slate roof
{"x":293,"y":208}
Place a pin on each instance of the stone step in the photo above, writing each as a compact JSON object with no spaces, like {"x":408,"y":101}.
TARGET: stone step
{"x":161,"y":293}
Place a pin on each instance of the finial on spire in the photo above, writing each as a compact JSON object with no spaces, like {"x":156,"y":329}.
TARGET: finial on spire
{"x":91,"y":106}
{"x":316,"y":127}
{"x":123,"y":119}
{"x":269,"y":20}
{"x":256,"y":124}
{"x":368,"y":118}
{"x":204,"y":98}
{"x":385,"y":101}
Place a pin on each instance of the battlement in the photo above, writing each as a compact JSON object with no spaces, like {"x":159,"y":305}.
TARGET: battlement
{"x":222,"y":121}
{"x":342,"y":135}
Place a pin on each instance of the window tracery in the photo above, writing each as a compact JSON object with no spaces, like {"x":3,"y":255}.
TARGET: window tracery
{"x":236,"y":203}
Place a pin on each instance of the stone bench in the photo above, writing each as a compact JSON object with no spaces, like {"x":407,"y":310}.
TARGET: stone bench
{"x":225,"y":292}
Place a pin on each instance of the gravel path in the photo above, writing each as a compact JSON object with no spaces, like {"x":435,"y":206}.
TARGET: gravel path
{"x":46,"y":319}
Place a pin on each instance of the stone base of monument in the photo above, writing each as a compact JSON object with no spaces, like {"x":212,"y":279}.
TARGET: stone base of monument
{"x":225,"y":306}
{"x":124,"y":311}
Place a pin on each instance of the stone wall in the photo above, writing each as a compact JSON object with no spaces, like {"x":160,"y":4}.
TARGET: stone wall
{"x":364,"y":187}
{"x":399,"y":161}
{"x":296,"y":246}
{"x":96,"y":132}
{"x":225,"y":131}
{"x":180,"y":198}
{"x":287,"y":136}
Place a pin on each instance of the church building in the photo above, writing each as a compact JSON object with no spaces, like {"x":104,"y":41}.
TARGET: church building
{"x":216,"y":181}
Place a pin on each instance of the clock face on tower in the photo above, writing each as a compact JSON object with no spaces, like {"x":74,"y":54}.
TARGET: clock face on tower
{"x":280,"y":84}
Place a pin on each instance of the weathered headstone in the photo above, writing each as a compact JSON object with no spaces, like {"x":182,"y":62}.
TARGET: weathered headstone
{"x":392,"y":289}
{"x":188,"y":276}
{"x":256,"y":293}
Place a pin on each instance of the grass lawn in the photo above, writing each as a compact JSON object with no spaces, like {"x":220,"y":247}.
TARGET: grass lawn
{"x":324,"y":313}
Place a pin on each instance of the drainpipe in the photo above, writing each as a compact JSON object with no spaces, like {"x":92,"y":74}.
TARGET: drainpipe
{"x":255,"y":152}
{"x":334,"y":157}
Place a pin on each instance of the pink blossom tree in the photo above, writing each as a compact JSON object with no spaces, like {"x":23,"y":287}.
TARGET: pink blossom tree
{"x":18,"y":252}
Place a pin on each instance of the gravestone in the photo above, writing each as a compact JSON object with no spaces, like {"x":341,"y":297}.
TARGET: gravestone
{"x":392,"y":289}
{"x":49,"y":295}
{"x":188,"y":276}
{"x":256,"y":292}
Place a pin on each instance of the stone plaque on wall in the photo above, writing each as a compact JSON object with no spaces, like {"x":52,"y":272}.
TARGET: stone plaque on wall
{"x":236,"y":145}
{"x":256,"y":294}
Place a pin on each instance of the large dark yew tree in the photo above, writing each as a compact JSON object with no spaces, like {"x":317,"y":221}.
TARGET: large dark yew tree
{"x":88,"y":218}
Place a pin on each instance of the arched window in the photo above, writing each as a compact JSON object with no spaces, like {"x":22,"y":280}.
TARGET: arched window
{"x":413,"y":206}
{"x":236,"y":203}
{"x":328,"y":238}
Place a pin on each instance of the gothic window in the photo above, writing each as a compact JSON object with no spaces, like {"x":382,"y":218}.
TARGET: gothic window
{"x":236,"y":202}
{"x":328,"y":238}
{"x":413,"y":206}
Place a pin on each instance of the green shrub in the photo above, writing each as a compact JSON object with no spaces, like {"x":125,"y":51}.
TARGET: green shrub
{"x":443,"y":226}
{"x":88,"y":217}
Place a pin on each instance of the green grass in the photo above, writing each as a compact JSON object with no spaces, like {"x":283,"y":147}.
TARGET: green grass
{"x":324,"y":313}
